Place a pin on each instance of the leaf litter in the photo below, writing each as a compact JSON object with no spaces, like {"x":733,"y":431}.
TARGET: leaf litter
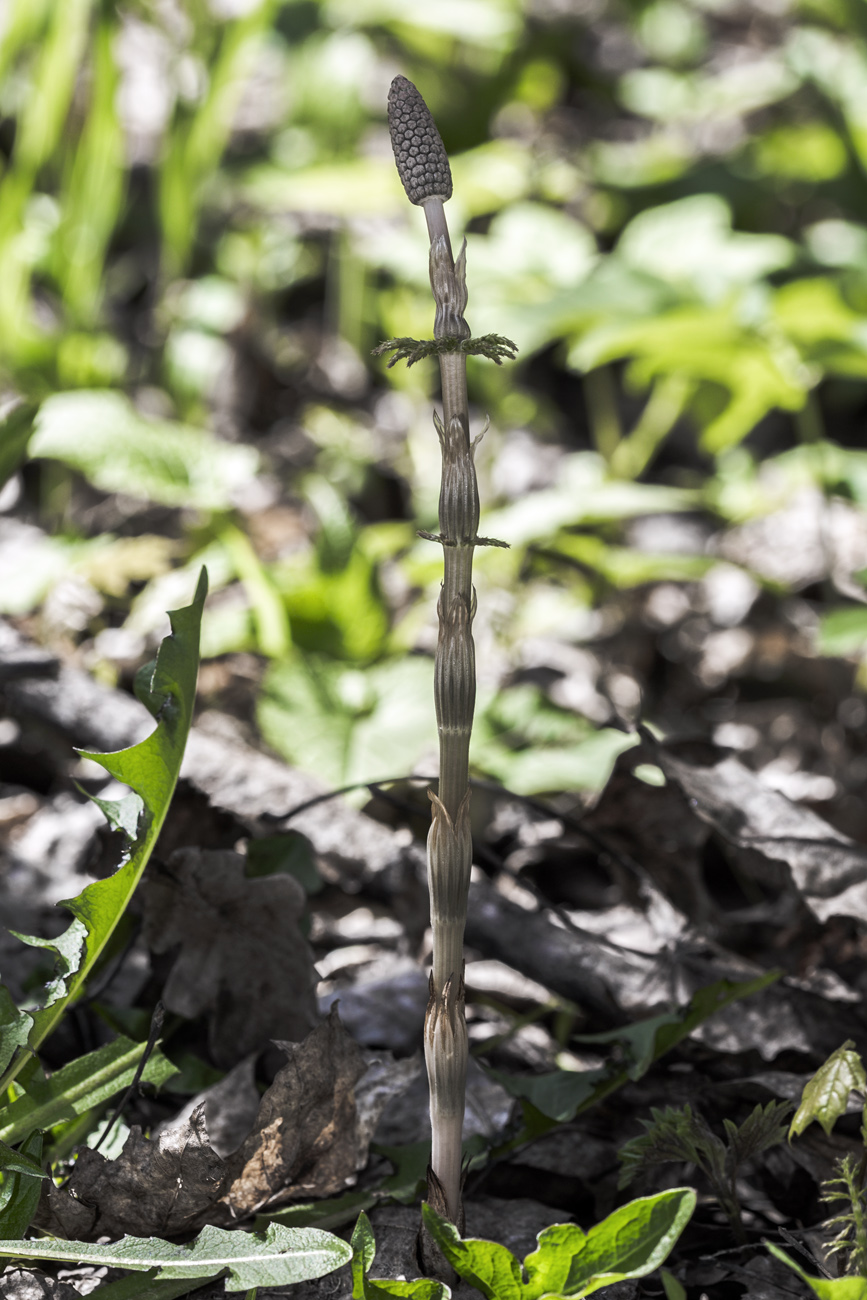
{"x":309,"y":1139}
{"x":616,"y":916}
{"x":202,"y":908}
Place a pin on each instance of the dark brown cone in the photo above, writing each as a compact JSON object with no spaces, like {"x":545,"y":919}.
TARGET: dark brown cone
{"x":422,"y":162}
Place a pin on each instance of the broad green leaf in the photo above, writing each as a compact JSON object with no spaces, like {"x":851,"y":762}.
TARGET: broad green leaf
{"x":489,"y":23}
{"x":77,"y":1087}
{"x":563,"y":1094}
{"x":542,"y":769}
{"x":333,"y":1212}
{"x":623,"y":567}
{"x":827,"y":1288}
{"x":364,"y":1288}
{"x":673,"y":1289}
{"x":144,"y":1286}
{"x":410,"y":1169}
{"x":703,"y":1004}
{"x":15,"y":432}
{"x":484,"y":1264}
{"x":560,"y":1095}
{"x":167,"y":687}
{"x":349,"y":724}
{"x":826,"y":1096}
{"x":691,"y":244}
{"x":703,"y":343}
{"x":356,"y":186}
{"x":15,"y":1028}
{"x":633,"y":1241}
{"x":20,"y":1192}
{"x":279,"y":1257}
{"x":843,"y":631}
{"x":409,"y":1177}
{"x":826,"y":331}
{"x":101,"y":434}
{"x":584,"y":494}
{"x":19,"y":1162}
{"x":334,"y":610}
{"x":288,"y":853}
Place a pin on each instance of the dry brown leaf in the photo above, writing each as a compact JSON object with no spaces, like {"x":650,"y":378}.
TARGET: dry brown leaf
{"x":306,"y":1139}
{"x":309,"y":1140}
{"x":828,"y":869}
{"x":154,"y":1188}
{"x":242,"y":958}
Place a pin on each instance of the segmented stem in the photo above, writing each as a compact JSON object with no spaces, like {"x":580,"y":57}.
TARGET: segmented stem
{"x":424,"y":169}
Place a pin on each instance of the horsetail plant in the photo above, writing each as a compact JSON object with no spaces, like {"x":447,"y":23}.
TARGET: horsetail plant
{"x":423,"y":166}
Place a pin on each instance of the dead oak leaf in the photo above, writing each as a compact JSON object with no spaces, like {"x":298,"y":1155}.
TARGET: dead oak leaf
{"x":154,"y":1187}
{"x":241,"y":956}
{"x":828,"y":869}
{"x":309,"y":1139}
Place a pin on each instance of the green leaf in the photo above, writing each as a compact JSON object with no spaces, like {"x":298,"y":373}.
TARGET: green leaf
{"x":143,"y":1286}
{"x":15,"y":1028}
{"x":671,"y":1286}
{"x":484,"y":1264}
{"x":348,"y":724}
{"x":674,"y":1133}
{"x":279,"y":1257}
{"x":19,"y":1162}
{"x":762,"y":1129}
{"x":827,"y":1288}
{"x":843,"y":631}
{"x":560,"y":1095}
{"x":826,"y":1095}
{"x":624,"y":567}
{"x":363,"y":1288}
{"x":333,"y":1212}
{"x":633,"y":1241}
{"x":21,"y":1191}
{"x":409,"y":1177}
{"x":563,"y":1094}
{"x":273,"y":634}
{"x":15,"y":431}
{"x":101,"y":434}
{"x":151,"y":770}
{"x":79,"y":1086}
{"x":583,"y":494}
{"x":290,"y":853}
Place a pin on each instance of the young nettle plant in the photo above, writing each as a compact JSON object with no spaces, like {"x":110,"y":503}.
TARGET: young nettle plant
{"x":683,"y":1135}
{"x":424,"y":169}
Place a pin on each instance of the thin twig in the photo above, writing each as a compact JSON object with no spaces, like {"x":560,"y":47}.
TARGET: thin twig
{"x":157,"y":1019}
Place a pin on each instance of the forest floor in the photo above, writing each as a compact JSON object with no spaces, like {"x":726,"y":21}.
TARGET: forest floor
{"x":732,"y":850}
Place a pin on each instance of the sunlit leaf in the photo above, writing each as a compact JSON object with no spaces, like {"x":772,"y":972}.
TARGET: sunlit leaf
{"x":826,"y":1288}
{"x":633,"y":1241}
{"x":826,"y":1096}
{"x":76,"y":1088}
{"x":167,"y":687}
{"x":279,"y":1257}
{"x":102,"y":435}
{"x":349,"y":724}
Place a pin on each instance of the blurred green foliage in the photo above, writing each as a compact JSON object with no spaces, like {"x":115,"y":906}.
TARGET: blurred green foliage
{"x":202,"y":235}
